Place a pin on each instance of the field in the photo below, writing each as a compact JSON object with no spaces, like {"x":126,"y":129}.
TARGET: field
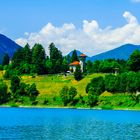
{"x":50,"y":85}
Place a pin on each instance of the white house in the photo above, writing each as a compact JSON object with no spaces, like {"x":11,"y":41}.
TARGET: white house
{"x":80,"y":63}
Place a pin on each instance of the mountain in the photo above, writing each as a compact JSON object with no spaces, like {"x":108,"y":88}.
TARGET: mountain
{"x":122,"y":52}
{"x":7,"y":46}
{"x":78,"y":53}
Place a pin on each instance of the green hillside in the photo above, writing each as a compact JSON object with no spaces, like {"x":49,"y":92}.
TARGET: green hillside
{"x":49,"y":86}
{"x":52,"y":84}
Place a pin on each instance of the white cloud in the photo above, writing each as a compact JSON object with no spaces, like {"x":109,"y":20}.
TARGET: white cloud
{"x":90,"y":39}
{"x":136,"y":1}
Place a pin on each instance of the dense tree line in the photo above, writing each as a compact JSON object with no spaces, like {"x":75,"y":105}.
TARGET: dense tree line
{"x":34,"y":61}
{"x":122,"y":83}
{"x":110,"y":65}
{"x":31,"y":61}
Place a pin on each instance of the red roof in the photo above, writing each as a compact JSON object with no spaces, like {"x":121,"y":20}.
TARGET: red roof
{"x":82,"y":55}
{"x":75,"y":63}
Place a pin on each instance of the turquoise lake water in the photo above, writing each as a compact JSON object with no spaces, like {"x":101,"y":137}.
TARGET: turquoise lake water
{"x":68,"y":124}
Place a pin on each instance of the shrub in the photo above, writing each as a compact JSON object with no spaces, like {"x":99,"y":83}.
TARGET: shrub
{"x":32,"y":92}
{"x":97,"y":85}
{"x":92,"y":98}
{"x":68,"y":94}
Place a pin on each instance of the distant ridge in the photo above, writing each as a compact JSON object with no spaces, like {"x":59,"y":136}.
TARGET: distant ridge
{"x":7,"y":46}
{"x":122,"y":52}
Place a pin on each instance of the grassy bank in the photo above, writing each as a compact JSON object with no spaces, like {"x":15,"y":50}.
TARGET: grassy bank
{"x":49,"y":87}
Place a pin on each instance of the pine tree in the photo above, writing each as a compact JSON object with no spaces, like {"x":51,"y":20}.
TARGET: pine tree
{"x":18,"y":58}
{"x":78,"y":73}
{"x":65,"y":65}
{"x":15,"y":85}
{"x":6,"y":59}
{"x":27,"y":54}
{"x":74,"y":56}
{"x":38,"y":59}
{"x":56,"y":58}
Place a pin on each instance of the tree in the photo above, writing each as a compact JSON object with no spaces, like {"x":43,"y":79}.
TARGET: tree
{"x":19,"y":90}
{"x":15,"y":83}
{"x":72,"y":94}
{"x":32,"y":92}
{"x":56,"y":58}
{"x":48,"y":65}
{"x":78,"y":73}
{"x":74,"y":56}
{"x":64,"y":95}
{"x":96,"y":65}
{"x":68,"y":94}
{"x":131,"y":82}
{"x":3,"y":92}
{"x":134,"y":61}
{"x":6,"y":60}
{"x":96,"y":85}
{"x":110,"y":83}
{"x":65,"y":65}
{"x":68,"y":59}
{"x":27,"y":54}
{"x":92,"y":98}
{"x":137,"y":84}
{"x":89,"y":66}
{"x":18,"y":58}
{"x":38,"y":59}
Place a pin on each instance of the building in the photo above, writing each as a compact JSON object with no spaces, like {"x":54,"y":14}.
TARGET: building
{"x":81,"y":63}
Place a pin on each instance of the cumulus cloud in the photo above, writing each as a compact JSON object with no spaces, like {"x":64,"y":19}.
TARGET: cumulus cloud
{"x":90,"y":39}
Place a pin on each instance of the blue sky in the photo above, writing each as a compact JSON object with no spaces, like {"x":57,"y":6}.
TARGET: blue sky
{"x":20,"y":16}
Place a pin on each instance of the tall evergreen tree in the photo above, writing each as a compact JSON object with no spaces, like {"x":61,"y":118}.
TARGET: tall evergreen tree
{"x":27,"y":54}
{"x":68,"y":59}
{"x":15,"y":84}
{"x":74,"y":56}
{"x":56,"y":58}
{"x":78,"y":73}
{"x":38,"y":59}
{"x":65,"y":65}
{"x":18,"y":58}
{"x":6,"y":59}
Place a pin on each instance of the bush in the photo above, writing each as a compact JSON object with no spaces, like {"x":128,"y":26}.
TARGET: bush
{"x":92,"y":98}
{"x":32,"y":92}
{"x":97,"y":85}
{"x":68,"y":94}
{"x":117,"y":100}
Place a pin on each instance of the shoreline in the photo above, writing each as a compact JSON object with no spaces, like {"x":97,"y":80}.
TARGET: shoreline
{"x":76,"y":108}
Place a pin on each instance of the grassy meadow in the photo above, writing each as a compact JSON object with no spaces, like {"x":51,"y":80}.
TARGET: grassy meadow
{"x":49,"y":86}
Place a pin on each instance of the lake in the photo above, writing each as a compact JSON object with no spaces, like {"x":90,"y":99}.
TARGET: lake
{"x":68,"y":124}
